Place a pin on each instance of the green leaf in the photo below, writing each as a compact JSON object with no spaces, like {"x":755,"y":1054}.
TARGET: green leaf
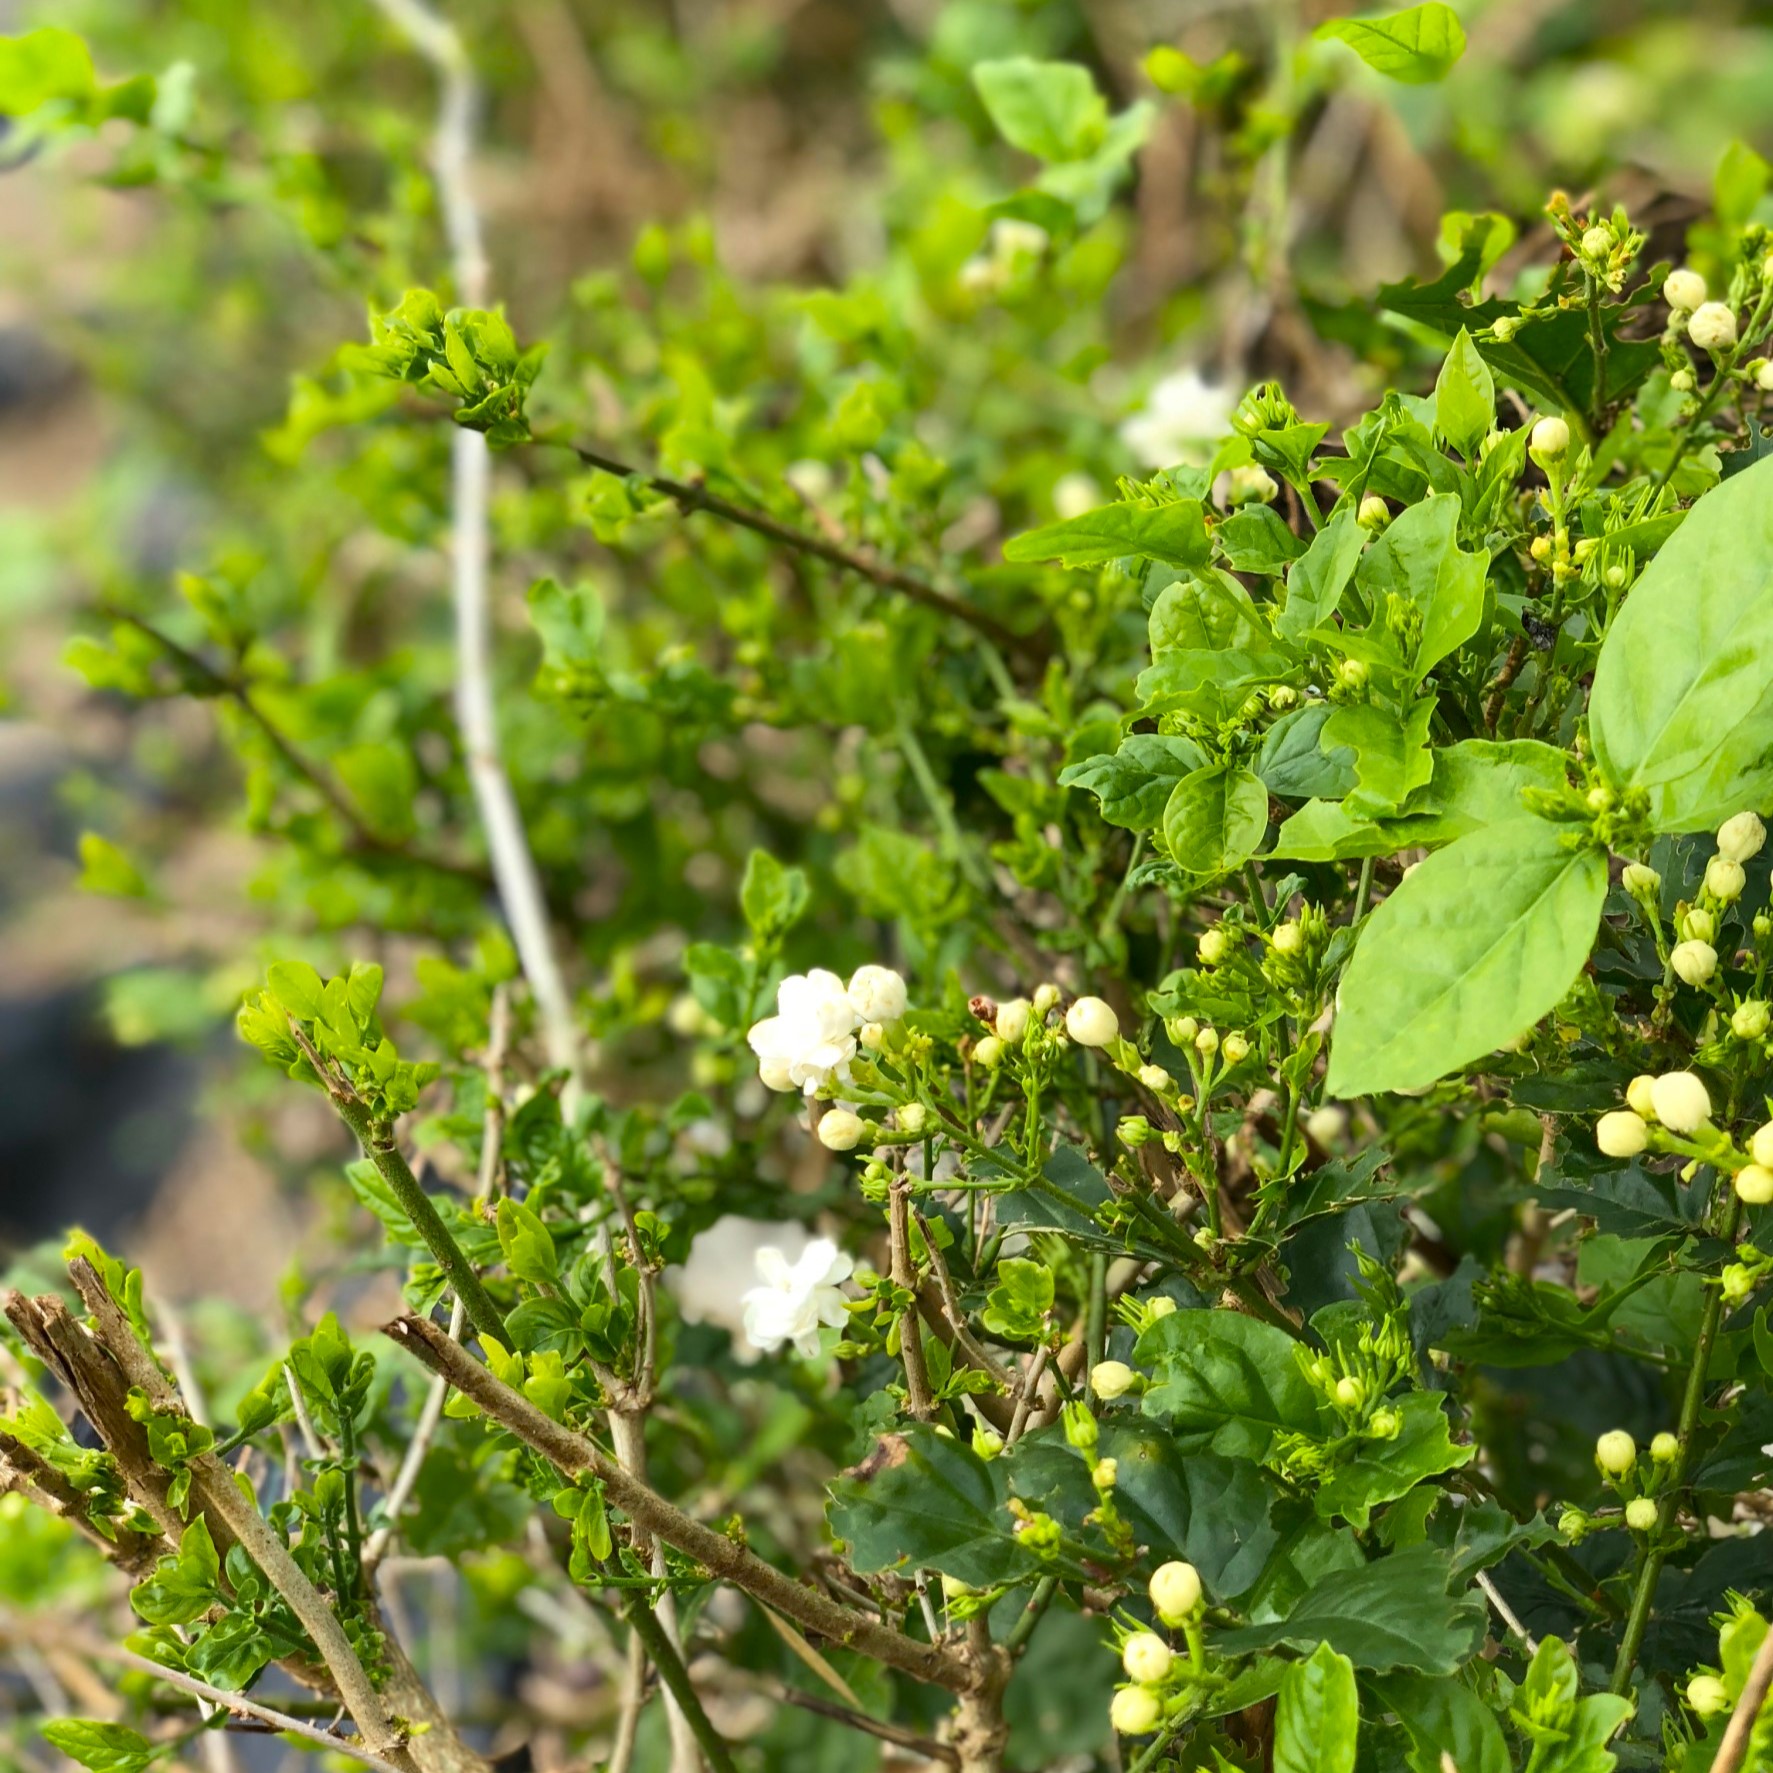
{"x":1418,"y":563}
{"x":1134,"y":783}
{"x":1294,"y":762}
{"x":297,"y":988}
{"x":184,"y":1586}
{"x":1682,"y":707}
{"x":105,"y":1748}
{"x":1464,"y":397}
{"x":1174,"y":534}
{"x":1215,"y":819}
{"x":1225,"y":1382}
{"x":1317,"y":1716}
{"x":1254,"y":540}
{"x":1317,"y":580}
{"x":528,"y":1248}
{"x":106,"y":870}
{"x":382,"y":784}
{"x":1441,"y":1715}
{"x":41,"y":66}
{"x":1474,"y":947}
{"x":1051,"y":110}
{"x":1018,"y":1305}
{"x":1382,"y":1471}
{"x":929,"y":1501}
{"x":1391,"y":754}
{"x":1418,"y":46}
{"x":771,"y":896}
{"x":1394,"y":1613}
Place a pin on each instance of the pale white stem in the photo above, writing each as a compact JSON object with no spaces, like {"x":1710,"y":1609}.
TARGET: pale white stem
{"x":513,"y":865}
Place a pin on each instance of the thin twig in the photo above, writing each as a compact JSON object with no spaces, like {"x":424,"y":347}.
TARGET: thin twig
{"x":856,"y":1720}
{"x":864,"y":563}
{"x":234,"y":1703}
{"x":1506,"y":1613}
{"x":1748,"y":1708}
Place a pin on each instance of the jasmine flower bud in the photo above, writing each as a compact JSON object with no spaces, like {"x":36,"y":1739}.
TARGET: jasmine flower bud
{"x":987,"y":1442}
{"x":1694,"y":962}
{"x":1640,"y":880}
{"x":878,"y":994}
{"x":1206,"y":1043}
{"x":1046,"y":1000}
{"x":1712,"y":326}
{"x":774,"y":1074}
{"x":1374,"y":513}
{"x":1384,"y":1424}
{"x":1504,"y":327}
{"x":1548,"y":440}
{"x":1682,"y":381}
{"x":1182,"y":1030}
{"x":1749,"y":1021}
{"x":1760,"y":1147}
{"x":1725,"y":879}
{"x":1621,"y":1133}
{"x":1212,"y":947}
{"x":1105,"y":1473}
{"x":1236,"y":1048}
{"x":913,"y":1118}
{"x":1288,"y":939}
{"x":1175,"y":1591}
{"x":1698,"y":925}
{"x":1665,"y":1448}
{"x":1324,"y":1126}
{"x":1707,"y":1695}
{"x":1753,"y":1185}
{"x":1133,"y":1131}
{"x":1250,"y":485}
{"x":988,"y":1052}
{"x":1684,"y":290}
{"x":1740,"y":838}
{"x":1146,"y":1657}
{"x":1162,"y":1306}
{"x":1680,"y":1101}
{"x":1764,"y":376}
{"x":1156,"y":1079}
{"x":1135,"y":1711}
{"x":1615,"y":1452}
{"x":1351,"y":674}
{"x":1597,"y":243}
{"x":1012,"y":1020}
{"x":1736,"y":1283}
{"x":1092,"y":1023}
{"x":841,"y":1130}
{"x":1640,"y":1514}
{"x":1540,"y":548}
{"x":1349,"y":1392}
{"x":1640,"y":1093}
{"x":1112,"y":1379}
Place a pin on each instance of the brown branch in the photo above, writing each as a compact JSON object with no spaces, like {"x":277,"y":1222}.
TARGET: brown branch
{"x":920,"y":1399}
{"x":573,"y":1454}
{"x":856,"y":1720}
{"x":864,"y":563}
{"x":363,"y":835}
{"x":135,"y":1554}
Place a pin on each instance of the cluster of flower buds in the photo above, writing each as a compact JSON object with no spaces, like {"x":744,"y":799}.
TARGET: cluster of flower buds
{"x":1637,"y":1486}
{"x":1743,"y":1277}
{"x":1156,"y":1672}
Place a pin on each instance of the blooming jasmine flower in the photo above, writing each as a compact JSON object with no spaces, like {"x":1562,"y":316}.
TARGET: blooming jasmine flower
{"x":1184,"y":416}
{"x":812,"y":1036}
{"x":793,"y":1300}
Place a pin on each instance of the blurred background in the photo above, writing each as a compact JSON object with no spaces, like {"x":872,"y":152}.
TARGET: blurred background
{"x":158,"y":294}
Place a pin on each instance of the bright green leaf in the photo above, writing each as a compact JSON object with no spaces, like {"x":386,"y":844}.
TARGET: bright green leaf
{"x":1417,"y":46}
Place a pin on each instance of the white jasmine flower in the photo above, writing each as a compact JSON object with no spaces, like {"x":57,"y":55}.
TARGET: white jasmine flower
{"x":877,"y":994}
{"x":1184,"y":416}
{"x":793,"y":1300}
{"x":812,"y":1034}
{"x":721,"y":1267}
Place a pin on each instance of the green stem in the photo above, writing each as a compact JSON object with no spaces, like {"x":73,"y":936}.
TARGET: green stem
{"x":1096,"y":1319}
{"x":1031,"y":1615}
{"x":377,"y":1140}
{"x":662,"y":1653}
{"x":941,"y":808}
{"x":1650,"y":1570}
{"x":1364,"y":891}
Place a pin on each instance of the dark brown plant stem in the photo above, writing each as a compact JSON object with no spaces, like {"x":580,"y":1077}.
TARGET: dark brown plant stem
{"x":877,"y":1727}
{"x":573,"y":1454}
{"x":860,"y":561}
